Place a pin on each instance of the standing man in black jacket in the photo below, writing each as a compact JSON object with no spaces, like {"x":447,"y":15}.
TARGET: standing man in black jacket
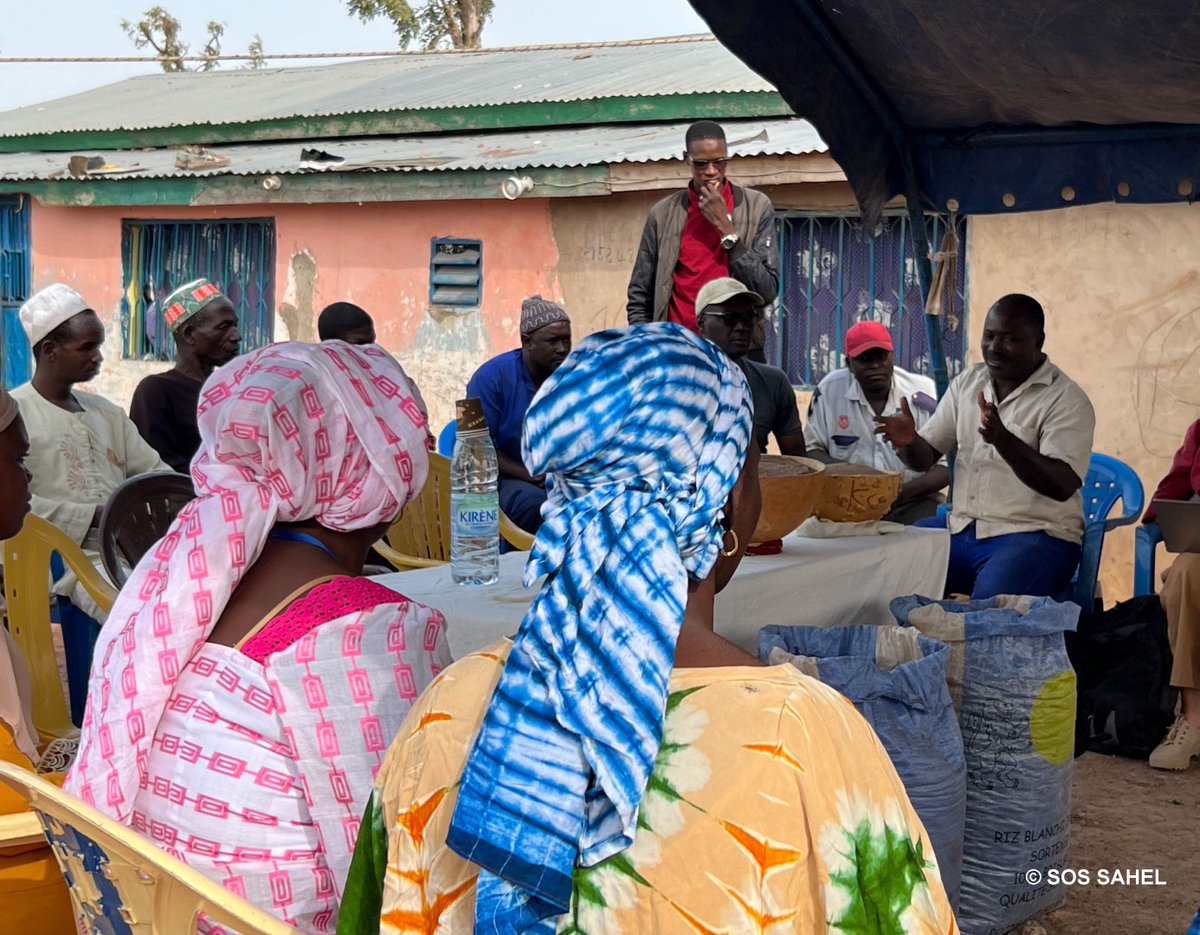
{"x":711,"y":229}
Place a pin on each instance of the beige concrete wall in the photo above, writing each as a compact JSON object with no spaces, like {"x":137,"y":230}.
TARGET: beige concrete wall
{"x":597,"y":241}
{"x":1121,"y":288}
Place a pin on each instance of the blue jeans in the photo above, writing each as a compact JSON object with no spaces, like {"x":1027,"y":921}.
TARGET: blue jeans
{"x":1032,"y":563}
{"x":522,"y":502}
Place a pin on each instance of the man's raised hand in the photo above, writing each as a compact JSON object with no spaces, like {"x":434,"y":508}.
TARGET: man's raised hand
{"x":712,"y":206}
{"x":899,"y":429}
{"x":990,"y":426}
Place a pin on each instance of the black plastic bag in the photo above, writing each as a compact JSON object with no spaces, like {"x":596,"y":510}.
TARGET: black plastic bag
{"x":1123,"y":659}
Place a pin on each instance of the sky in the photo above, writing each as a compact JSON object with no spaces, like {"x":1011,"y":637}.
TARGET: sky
{"x":38,"y":29}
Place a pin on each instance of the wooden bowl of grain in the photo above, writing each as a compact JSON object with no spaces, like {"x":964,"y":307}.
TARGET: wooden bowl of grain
{"x":790,"y":489}
{"x":855,"y":493}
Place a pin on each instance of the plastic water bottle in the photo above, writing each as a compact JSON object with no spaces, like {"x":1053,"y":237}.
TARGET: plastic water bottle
{"x":474,"y":499}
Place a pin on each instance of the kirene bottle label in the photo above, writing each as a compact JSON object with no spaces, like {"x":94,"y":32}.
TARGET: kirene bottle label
{"x":476,"y":514}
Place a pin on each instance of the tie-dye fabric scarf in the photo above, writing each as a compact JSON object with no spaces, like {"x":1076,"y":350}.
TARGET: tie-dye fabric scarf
{"x":643,"y":432}
{"x":291,"y":432}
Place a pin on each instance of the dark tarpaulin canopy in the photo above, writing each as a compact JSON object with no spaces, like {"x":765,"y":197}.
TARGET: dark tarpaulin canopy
{"x":1019,"y":97}
{"x":986,"y":107}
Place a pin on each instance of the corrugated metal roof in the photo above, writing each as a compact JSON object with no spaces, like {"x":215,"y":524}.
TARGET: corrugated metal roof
{"x":553,"y":148}
{"x":697,"y":64}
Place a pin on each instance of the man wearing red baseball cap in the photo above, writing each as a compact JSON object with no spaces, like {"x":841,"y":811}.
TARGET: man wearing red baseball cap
{"x":841,"y":418}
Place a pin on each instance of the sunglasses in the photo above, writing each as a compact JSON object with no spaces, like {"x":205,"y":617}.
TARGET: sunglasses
{"x":703,"y":164}
{"x":735,"y":318}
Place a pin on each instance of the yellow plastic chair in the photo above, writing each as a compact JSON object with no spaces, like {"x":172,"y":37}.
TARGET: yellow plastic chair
{"x":26,"y":590}
{"x":420,"y":538}
{"x":514,"y":535}
{"x":32,"y":889}
{"x":120,"y":881}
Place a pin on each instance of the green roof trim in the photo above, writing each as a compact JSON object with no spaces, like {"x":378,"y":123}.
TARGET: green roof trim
{"x":716,"y":105}
{"x":318,"y":187}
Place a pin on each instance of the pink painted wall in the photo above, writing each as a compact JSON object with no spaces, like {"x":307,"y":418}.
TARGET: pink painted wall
{"x":376,"y":255}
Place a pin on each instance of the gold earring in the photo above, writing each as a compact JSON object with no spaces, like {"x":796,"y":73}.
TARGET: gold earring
{"x":733,"y":551}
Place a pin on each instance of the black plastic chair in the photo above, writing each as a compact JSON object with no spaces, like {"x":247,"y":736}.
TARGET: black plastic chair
{"x":137,"y":515}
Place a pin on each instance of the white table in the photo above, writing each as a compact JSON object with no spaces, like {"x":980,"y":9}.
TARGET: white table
{"x":813,"y":582}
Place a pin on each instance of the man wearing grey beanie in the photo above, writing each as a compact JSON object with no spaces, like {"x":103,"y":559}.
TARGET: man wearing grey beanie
{"x":506,"y":385}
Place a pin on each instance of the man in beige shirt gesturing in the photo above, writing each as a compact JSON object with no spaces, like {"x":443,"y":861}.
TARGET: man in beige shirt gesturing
{"x":1023,"y":433}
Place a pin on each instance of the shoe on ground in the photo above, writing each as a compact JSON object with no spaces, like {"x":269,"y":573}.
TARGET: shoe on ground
{"x":1181,"y":744}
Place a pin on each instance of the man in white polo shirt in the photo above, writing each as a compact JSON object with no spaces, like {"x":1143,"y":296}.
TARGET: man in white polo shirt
{"x":841,"y":418}
{"x":1023,"y":432}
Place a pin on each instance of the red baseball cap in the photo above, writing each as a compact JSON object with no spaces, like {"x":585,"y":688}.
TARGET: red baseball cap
{"x":865,"y":336}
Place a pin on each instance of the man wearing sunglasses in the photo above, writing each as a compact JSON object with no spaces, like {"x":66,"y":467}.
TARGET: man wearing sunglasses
{"x":710,"y":230}
{"x":728,"y":313}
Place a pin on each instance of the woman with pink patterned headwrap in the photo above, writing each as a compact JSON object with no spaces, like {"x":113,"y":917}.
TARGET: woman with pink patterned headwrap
{"x":248,"y":679}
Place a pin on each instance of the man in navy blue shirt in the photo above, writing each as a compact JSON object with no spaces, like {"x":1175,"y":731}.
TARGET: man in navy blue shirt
{"x":505,"y":385}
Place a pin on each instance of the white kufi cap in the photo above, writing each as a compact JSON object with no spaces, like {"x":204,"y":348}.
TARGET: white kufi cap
{"x":49,"y":308}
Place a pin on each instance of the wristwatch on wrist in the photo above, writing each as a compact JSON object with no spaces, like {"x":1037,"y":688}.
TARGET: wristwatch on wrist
{"x":729,"y":241}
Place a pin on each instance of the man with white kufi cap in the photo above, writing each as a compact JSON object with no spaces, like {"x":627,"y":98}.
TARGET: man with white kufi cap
{"x":81,"y":446}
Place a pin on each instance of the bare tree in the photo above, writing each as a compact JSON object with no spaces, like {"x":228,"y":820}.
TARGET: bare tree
{"x":160,"y":31}
{"x":258,"y":58}
{"x":212,"y":46}
{"x":457,"y":24}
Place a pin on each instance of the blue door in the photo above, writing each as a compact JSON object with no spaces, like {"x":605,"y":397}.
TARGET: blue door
{"x":238,"y":255}
{"x":14,"y":287}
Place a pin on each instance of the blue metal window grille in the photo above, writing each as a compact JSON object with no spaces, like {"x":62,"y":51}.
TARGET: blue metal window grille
{"x":159,"y":256}
{"x":455,"y":272}
{"x":14,"y":287}
{"x":834,"y":274}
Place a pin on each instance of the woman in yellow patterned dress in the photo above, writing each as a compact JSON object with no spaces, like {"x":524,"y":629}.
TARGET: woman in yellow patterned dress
{"x":768,"y":805}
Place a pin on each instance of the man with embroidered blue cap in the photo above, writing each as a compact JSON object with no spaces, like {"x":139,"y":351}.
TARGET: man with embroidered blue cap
{"x":81,"y":446}
{"x":205,"y":327}
{"x":506,"y":385}
{"x":841,"y":418}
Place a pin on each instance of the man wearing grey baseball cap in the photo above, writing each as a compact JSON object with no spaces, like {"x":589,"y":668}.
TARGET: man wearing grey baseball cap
{"x":727,"y":314}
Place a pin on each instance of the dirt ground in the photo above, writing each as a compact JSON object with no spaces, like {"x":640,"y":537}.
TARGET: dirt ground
{"x":1126,"y":815}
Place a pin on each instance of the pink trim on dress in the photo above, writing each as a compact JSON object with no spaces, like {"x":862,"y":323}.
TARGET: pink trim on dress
{"x":330,"y":600}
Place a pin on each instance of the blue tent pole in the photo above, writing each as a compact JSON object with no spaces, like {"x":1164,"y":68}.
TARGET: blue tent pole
{"x":933,"y":323}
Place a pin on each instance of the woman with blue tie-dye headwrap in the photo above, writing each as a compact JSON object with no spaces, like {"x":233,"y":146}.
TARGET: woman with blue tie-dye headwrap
{"x":618,"y":767}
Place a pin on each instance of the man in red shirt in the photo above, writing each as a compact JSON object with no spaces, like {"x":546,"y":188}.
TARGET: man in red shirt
{"x":1180,"y":598}
{"x":711,"y":229}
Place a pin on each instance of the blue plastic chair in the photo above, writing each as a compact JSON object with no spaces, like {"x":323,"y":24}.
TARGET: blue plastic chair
{"x":1145,"y":544}
{"x":445,"y":441}
{"x":1108,"y":480}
